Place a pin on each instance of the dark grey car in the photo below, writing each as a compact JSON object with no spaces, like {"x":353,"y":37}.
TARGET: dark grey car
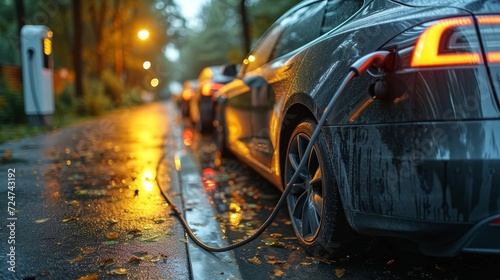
{"x":409,"y":149}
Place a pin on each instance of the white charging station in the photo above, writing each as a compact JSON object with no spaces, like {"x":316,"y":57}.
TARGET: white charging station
{"x":37,"y":68}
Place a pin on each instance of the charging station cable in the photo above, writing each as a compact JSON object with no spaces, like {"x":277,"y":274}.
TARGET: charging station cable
{"x":376,"y":59}
{"x":33,"y":86}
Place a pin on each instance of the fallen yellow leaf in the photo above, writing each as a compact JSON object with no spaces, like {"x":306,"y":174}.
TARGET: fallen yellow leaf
{"x":77,"y":259}
{"x":254,"y":260}
{"x":118,"y":271}
{"x":73,"y":203}
{"x":278,"y":272}
{"x":339,"y":272}
{"x":112,"y":235}
{"x":41,"y":220}
{"x":107,"y":262}
{"x":70,"y":219}
{"x":89,"y":277}
{"x":88,"y":250}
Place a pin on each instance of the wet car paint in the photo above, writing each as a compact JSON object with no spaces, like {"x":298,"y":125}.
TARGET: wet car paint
{"x":242,"y":200}
{"x":297,"y":86}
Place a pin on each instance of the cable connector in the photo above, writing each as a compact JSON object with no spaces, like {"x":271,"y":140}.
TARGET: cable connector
{"x":376,"y":59}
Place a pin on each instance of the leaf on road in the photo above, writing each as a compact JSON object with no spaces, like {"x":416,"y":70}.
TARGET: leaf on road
{"x":158,"y":258}
{"x":107,"y":262}
{"x":77,"y":259}
{"x":275,"y":244}
{"x":276,"y":235}
{"x":70,"y":219}
{"x":278,"y":272}
{"x":306,"y":263}
{"x":254,"y":260}
{"x":73,"y":203}
{"x":40,"y":221}
{"x":134,"y":259}
{"x":111,"y":242}
{"x":151,"y":239}
{"x":339,"y":272}
{"x":94,"y":276}
{"x":112,"y":221}
{"x":273,"y":262}
{"x":440,"y":268}
{"x":88,"y":250}
{"x":390,"y":262}
{"x":112,"y":235}
{"x":118,"y":271}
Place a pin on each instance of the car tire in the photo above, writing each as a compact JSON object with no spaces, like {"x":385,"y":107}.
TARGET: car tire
{"x":314,"y":202}
{"x":220,"y":134}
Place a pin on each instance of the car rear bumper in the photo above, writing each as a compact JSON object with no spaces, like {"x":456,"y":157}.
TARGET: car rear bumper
{"x":431,"y":182}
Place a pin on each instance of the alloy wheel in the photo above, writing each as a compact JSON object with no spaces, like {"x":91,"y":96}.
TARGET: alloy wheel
{"x":305,"y":200}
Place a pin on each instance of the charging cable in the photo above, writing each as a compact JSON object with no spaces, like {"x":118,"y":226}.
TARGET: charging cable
{"x":33,"y":86}
{"x":376,"y":59}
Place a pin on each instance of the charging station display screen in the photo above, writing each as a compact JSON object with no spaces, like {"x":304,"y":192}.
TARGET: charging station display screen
{"x":47,"y":51}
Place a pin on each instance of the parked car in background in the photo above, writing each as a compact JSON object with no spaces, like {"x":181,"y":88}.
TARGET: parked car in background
{"x":411,"y":148}
{"x":201,"y":105}
{"x":188,"y":90}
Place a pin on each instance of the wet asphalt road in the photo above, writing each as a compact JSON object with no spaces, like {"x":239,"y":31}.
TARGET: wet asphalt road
{"x":88,"y":206}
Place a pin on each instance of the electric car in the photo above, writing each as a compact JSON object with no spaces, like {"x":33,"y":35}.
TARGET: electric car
{"x":409,"y":147}
{"x":210,"y":79}
{"x":188,"y":88}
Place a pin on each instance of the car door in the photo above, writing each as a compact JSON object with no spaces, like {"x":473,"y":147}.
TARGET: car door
{"x":271,"y":81}
{"x":241,"y":97}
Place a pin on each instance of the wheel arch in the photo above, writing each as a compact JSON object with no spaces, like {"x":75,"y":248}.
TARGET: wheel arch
{"x":293,"y":116}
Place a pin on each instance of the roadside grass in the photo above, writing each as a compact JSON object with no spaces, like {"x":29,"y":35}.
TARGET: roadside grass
{"x":12,"y":132}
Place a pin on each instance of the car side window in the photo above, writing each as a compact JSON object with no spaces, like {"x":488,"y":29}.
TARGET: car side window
{"x":302,"y":27}
{"x":262,"y":53}
{"x":338,"y":11}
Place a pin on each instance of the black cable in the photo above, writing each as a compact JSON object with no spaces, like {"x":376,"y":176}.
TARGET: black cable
{"x":32,"y":85}
{"x":356,"y":69}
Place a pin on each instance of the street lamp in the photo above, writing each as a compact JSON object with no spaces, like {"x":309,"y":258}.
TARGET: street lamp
{"x":143,"y":34}
{"x":146,"y":65}
{"x":155,"y":82}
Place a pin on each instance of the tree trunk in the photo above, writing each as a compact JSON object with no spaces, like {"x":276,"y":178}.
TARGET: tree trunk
{"x":77,"y":47}
{"x":21,"y":21}
{"x":245,"y":26}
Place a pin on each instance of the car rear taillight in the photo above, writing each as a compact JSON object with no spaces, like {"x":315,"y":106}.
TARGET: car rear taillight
{"x":489,"y":27}
{"x":455,"y":41}
{"x":187,"y":94}
{"x":210,"y":88}
{"x":495,"y":222}
{"x":447,"y":42}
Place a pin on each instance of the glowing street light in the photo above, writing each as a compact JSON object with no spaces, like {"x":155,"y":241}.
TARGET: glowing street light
{"x":143,"y":34}
{"x":146,"y":65}
{"x":155,"y":82}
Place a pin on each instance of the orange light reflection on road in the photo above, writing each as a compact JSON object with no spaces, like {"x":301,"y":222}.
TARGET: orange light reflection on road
{"x":187,"y":137}
{"x":208,"y":175}
{"x":147,"y":180}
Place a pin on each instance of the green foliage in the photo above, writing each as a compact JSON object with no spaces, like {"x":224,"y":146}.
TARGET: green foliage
{"x":219,"y":39}
{"x":66,"y":103}
{"x":95,"y":101}
{"x":263,"y":13}
{"x":11,"y":105}
{"x":113,"y":87}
